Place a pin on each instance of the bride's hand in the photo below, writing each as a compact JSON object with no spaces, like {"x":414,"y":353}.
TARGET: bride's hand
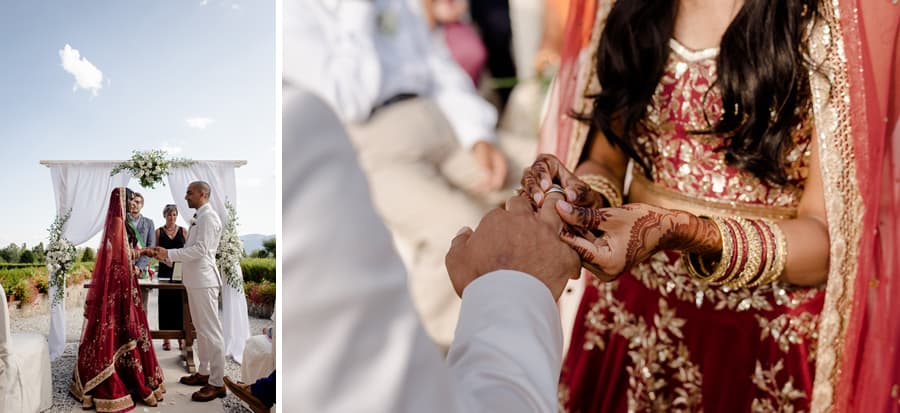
{"x":632,"y":233}
{"x":548,"y":170}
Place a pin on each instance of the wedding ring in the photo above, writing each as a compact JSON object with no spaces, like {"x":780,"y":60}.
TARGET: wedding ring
{"x":555,"y":189}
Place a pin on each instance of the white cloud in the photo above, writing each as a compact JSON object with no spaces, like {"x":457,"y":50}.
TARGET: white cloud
{"x":204,"y":2}
{"x":199,"y":122}
{"x":87,"y":76}
{"x":171,"y":149}
{"x":235,"y":7}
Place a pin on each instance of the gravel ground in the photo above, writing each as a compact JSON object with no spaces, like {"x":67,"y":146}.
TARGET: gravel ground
{"x":65,"y":365}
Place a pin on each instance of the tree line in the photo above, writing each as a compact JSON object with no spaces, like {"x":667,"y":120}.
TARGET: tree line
{"x":14,"y":253}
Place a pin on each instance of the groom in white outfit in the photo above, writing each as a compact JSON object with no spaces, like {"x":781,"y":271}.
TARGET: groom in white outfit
{"x":202,"y":282}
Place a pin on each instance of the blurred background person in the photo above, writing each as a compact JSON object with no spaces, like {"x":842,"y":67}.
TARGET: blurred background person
{"x":425,"y":138}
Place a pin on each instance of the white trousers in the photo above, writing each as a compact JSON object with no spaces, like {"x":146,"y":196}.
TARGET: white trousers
{"x":204,"y":305}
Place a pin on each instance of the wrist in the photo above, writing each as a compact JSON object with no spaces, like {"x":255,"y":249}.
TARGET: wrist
{"x":689,"y":233}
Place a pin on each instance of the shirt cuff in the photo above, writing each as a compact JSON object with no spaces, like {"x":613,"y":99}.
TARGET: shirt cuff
{"x":494,"y":295}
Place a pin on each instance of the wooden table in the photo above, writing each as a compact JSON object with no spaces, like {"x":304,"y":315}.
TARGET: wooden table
{"x":187,"y":332}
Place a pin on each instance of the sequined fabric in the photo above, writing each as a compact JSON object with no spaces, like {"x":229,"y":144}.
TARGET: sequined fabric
{"x":687,"y":161}
{"x":657,"y":340}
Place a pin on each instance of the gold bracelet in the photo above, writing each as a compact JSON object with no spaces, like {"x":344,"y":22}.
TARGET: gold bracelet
{"x":694,"y":263}
{"x":764,"y":225}
{"x":781,"y":249}
{"x":605,"y":187}
{"x":753,"y":248}
{"x":739,"y":253}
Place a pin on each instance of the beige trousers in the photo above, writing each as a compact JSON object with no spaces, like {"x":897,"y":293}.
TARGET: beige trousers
{"x":422,"y":183}
{"x":204,"y":307}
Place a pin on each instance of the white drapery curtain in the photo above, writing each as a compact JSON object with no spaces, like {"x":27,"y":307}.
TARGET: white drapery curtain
{"x":220,"y":177}
{"x":84,"y":189}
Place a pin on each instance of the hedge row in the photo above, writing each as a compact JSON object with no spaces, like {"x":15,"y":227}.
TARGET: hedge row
{"x":260,"y":293}
{"x":16,"y":281}
{"x":7,"y":265}
{"x":258,"y":269}
{"x":25,"y":282}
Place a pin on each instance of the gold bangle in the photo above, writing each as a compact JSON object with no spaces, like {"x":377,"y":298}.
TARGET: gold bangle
{"x":765,"y":226}
{"x":739,"y":252}
{"x":605,"y":187}
{"x":753,"y":248}
{"x":694,"y":263}
{"x":781,"y":248}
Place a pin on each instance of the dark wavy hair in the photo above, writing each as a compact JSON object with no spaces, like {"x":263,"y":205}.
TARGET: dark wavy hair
{"x":129,"y":230}
{"x":762,"y":75}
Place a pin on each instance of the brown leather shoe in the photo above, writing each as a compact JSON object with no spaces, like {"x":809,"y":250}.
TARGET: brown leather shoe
{"x":242,"y":391}
{"x":208,"y":392}
{"x":195,"y":379}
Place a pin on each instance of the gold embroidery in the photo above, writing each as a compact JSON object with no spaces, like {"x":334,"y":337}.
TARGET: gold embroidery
{"x":787,"y":329}
{"x":562,"y":395}
{"x":690,"y":165}
{"x":780,"y":398}
{"x":111,"y":368}
{"x":113,"y":405}
{"x":588,"y":84}
{"x":842,"y":200}
{"x":659,"y":358}
{"x":671,"y":279}
{"x":662,"y":196}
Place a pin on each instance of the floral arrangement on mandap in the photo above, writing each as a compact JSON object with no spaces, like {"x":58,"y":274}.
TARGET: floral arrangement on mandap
{"x":60,"y":257}
{"x":150,"y":167}
{"x":230,"y":251}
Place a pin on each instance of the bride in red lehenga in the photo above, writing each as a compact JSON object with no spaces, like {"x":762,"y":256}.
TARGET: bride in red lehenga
{"x":800,"y":184}
{"x":115,"y":357}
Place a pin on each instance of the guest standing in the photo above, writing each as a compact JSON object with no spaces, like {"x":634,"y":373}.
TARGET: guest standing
{"x":170,"y":236}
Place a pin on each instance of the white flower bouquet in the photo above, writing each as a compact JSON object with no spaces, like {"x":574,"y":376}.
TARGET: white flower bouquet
{"x":230,"y":251}
{"x":150,"y":167}
{"x":60,"y":257}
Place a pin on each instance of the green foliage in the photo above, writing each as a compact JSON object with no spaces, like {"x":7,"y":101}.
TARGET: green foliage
{"x":25,"y":291}
{"x":41,"y":282}
{"x":269,"y":246}
{"x":7,"y":265}
{"x":10,"y":253}
{"x":39,"y":252}
{"x":9,"y":278}
{"x":260,"y":293}
{"x":88,"y":255}
{"x":37,"y":276}
{"x":258,"y":269}
{"x":27,"y":257}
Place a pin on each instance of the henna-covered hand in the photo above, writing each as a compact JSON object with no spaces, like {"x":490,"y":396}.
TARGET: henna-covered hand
{"x":632,"y":233}
{"x":548,"y":170}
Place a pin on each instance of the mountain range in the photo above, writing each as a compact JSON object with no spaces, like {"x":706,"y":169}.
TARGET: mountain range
{"x":254,"y":242}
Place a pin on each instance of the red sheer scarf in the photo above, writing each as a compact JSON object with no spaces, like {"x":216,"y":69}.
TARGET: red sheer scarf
{"x":115,"y":356}
{"x":871,"y":364}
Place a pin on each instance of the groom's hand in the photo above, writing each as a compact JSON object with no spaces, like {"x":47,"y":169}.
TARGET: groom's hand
{"x":515,"y":239}
{"x":162,"y":254}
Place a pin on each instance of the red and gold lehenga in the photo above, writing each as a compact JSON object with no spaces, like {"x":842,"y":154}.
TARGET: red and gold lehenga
{"x":657,"y":340}
{"x":115,"y":357}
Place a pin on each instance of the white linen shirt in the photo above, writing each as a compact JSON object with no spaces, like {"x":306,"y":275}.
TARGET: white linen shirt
{"x":198,"y":257}
{"x":355,"y":341}
{"x":356,"y":54}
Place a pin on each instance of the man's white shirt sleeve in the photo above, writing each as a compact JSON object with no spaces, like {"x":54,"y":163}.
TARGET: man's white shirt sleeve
{"x":206,"y":232}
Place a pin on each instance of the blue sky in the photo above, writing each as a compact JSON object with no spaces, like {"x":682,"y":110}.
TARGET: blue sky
{"x":196,"y":77}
